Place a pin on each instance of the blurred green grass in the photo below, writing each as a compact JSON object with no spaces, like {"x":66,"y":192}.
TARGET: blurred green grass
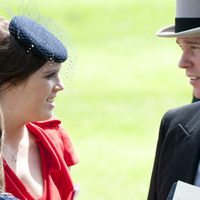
{"x":125,"y":79}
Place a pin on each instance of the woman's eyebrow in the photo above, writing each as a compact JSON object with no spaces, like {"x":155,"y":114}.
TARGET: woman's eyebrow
{"x":49,"y":71}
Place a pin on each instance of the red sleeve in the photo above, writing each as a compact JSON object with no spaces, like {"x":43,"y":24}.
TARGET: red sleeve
{"x":61,"y":139}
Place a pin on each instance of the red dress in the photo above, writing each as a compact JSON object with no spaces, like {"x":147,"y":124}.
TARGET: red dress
{"x":57,"y":155}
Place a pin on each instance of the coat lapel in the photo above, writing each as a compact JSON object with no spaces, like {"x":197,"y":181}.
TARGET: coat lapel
{"x":186,"y":157}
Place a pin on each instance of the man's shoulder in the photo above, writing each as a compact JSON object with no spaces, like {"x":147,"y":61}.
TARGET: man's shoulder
{"x":184,"y":113}
{"x":185,"y":110}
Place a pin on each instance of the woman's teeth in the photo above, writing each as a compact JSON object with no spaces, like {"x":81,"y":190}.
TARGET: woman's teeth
{"x":50,"y":100}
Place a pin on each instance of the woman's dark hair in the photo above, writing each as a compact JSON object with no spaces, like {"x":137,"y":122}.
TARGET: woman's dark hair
{"x":16,"y":64}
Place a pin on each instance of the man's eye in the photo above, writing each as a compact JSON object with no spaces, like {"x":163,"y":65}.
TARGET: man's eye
{"x":194,"y":47}
{"x":181,"y":47}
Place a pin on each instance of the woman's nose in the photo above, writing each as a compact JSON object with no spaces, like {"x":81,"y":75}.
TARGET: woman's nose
{"x":59,"y":86}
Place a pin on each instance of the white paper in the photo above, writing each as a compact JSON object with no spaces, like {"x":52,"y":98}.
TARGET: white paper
{"x":185,"y":191}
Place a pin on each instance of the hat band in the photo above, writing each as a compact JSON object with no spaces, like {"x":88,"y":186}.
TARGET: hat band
{"x":184,"y":24}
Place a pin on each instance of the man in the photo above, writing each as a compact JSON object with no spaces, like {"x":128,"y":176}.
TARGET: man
{"x":187,"y":24}
{"x":178,"y":148}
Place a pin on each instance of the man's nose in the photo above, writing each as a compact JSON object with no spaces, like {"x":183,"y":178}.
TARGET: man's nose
{"x":185,"y":60}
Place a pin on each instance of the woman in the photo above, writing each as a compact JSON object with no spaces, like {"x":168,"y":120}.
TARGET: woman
{"x":37,"y":152}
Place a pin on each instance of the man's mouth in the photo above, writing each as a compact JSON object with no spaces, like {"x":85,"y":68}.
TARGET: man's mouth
{"x":192,"y":78}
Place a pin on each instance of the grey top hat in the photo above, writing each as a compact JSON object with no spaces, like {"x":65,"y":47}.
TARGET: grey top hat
{"x":187,"y":21}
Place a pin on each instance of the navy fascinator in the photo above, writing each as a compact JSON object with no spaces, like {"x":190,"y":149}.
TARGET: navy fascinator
{"x":37,"y":39}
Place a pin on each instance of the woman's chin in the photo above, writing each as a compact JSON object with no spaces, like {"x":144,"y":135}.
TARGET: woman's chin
{"x":44,"y":116}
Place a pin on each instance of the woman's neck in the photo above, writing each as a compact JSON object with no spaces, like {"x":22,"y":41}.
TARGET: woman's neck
{"x":14,"y":134}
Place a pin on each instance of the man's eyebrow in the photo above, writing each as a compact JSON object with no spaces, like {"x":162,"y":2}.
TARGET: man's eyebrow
{"x":189,"y":42}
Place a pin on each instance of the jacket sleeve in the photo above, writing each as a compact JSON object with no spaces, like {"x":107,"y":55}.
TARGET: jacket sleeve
{"x":154,"y":177}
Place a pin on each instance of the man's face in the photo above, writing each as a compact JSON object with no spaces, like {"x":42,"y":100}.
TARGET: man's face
{"x":190,"y":61}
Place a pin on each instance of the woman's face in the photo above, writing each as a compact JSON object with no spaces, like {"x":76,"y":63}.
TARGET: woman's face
{"x":33,"y":100}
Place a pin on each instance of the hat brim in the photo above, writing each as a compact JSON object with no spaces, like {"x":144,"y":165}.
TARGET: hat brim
{"x":169,"y":31}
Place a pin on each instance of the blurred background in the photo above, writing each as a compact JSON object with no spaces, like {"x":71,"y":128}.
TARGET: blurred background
{"x":125,"y":79}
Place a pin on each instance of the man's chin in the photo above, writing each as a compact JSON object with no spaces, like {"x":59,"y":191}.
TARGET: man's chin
{"x":196,"y":92}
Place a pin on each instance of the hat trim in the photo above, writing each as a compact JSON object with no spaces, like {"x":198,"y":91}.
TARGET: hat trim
{"x":169,"y":31}
{"x":183,"y":24}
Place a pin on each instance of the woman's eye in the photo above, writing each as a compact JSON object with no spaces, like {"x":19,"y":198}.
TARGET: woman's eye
{"x":52,"y":75}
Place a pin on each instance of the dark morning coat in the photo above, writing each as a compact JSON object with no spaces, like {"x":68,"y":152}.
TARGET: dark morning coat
{"x":178,"y":150}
